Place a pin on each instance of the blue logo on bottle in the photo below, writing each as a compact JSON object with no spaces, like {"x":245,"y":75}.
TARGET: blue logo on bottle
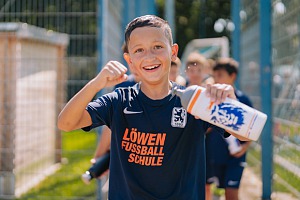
{"x":229,"y":115}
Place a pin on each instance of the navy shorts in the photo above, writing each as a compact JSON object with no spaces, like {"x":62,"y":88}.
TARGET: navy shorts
{"x":210,"y":177}
{"x":229,"y":176}
{"x":226,"y":176}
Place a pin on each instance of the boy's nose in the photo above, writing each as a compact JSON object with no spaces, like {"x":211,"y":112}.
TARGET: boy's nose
{"x":150,"y":55}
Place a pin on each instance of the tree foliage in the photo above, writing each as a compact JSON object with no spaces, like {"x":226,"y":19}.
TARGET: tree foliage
{"x":195,"y":19}
{"x":74,"y":17}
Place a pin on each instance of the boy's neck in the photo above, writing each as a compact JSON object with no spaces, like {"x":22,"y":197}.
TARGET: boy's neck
{"x":156,"y":91}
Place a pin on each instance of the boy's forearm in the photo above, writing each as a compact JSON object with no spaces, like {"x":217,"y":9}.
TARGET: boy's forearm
{"x":72,"y":116}
{"x":238,"y":136}
{"x":104,"y":142}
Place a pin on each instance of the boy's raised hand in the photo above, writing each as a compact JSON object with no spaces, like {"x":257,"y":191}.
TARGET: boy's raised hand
{"x":219,"y":92}
{"x":74,"y":115}
{"x":111,"y":74}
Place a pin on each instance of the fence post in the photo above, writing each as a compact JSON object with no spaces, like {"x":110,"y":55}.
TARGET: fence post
{"x":235,"y":15}
{"x":266,"y":96}
{"x":170,"y":16}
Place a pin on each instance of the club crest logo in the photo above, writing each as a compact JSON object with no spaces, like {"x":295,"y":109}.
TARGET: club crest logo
{"x":228,"y":115}
{"x":179,"y":116}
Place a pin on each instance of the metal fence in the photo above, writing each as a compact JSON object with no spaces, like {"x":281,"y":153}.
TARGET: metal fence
{"x":32,"y":77}
{"x":94,"y":30}
{"x":285,"y":91}
{"x":34,"y":88}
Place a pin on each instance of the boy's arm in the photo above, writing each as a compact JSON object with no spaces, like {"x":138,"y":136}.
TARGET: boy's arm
{"x":238,"y":136}
{"x":103,"y":145}
{"x":245,"y":147}
{"x":74,"y":115}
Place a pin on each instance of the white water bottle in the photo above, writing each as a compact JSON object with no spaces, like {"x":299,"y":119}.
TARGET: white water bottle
{"x":231,"y":115}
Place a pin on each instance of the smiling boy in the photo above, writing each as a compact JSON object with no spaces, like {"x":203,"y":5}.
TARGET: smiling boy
{"x":157,"y":148}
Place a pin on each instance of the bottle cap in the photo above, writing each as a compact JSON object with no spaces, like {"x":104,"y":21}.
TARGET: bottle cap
{"x":184,"y":94}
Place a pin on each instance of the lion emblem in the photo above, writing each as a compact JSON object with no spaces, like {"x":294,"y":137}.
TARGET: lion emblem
{"x":228,"y":115}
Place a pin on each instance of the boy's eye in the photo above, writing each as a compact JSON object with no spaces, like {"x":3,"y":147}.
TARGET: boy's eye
{"x":158,"y":47}
{"x":138,"y":51}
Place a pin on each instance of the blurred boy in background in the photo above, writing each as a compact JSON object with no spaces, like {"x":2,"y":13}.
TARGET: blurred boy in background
{"x":198,"y":70}
{"x":174,"y":72}
{"x":226,"y":168}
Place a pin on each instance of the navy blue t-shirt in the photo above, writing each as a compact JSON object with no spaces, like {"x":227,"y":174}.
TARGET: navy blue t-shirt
{"x":157,"y":148}
{"x":217,"y":147}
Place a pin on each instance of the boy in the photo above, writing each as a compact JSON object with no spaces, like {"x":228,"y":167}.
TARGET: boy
{"x":157,"y":148}
{"x":197,"y":70}
{"x":228,"y":168}
{"x":174,"y":73}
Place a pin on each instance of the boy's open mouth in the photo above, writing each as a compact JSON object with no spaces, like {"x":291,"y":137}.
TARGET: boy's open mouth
{"x":152,"y":67}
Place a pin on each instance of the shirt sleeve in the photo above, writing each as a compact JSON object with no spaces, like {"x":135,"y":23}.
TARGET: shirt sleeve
{"x":226,"y":134}
{"x":101,"y":110}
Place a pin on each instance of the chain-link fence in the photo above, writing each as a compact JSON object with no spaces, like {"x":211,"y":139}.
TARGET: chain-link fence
{"x":36,"y":160}
{"x":33,"y":73}
{"x":36,"y":59}
{"x":285,"y":91}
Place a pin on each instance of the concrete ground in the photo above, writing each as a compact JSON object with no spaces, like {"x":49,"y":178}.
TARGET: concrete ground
{"x":251,"y":188}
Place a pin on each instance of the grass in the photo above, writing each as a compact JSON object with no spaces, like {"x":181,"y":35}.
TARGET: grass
{"x":290,"y":178}
{"x":78,"y":148}
{"x":290,"y":154}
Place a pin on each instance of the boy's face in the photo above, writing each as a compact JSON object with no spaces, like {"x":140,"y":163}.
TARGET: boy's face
{"x":150,"y":54}
{"x":222,"y":76}
{"x":194,"y":73}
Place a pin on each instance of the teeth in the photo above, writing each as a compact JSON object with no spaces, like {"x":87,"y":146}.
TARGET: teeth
{"x":151,"y":67}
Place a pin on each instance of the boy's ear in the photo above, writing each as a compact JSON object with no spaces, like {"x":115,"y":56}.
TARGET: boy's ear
{"x":174,"y":51}
{"x":234,"y":76}
{"x":129,"y":62}
{"x":127,"y":58}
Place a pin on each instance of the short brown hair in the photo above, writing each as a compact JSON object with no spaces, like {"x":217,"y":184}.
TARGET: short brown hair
{"x":228,"y":64}
{"x":196,"y":57}
{"x":147,"y":21}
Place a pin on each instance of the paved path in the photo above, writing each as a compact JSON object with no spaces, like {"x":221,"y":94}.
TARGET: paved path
{"x":251,"y":188}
